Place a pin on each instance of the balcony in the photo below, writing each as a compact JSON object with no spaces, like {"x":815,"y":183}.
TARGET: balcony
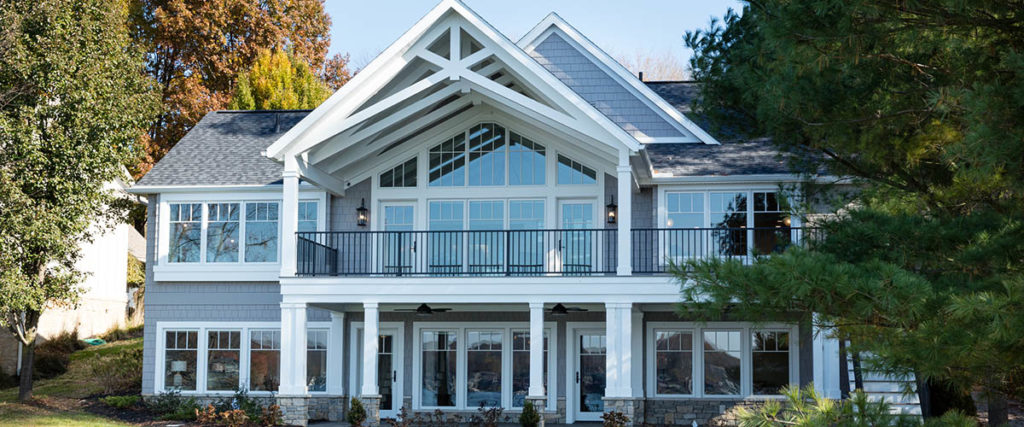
{"x":523,"y":253}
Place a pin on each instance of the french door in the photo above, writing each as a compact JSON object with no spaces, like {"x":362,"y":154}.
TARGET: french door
{"x":577,"y":247}
{"x":389,"y":367}
{"x":396,"y":250}
{"x":589,"y":352}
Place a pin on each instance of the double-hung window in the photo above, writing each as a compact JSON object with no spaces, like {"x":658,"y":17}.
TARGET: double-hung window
{"x":222,"y":229}
{"x":261,"y":231}
{"x":770,"y":359}
{"x":181,"y":351}
{"x":186,"y":232}
{"x":264,"y":359}
{"x":440,"y":363}
{"x":223,"y":356}
{"x":483,"y":367}
{"x":673,"y":361}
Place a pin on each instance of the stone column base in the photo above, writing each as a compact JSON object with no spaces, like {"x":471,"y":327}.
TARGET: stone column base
{"x":372,"y":406}
{"x":633,"y":407}
{"x":294,"y":409}
{"x":541,"y":404}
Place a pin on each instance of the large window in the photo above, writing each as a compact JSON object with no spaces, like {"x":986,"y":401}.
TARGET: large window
{"x":222,"y":232}
{"x":224,"y":349}
{"x":521,"y":367}
{"x":487,"y":250}
{"x":446,"y":240}
{"x":719,"y":359}
{"x":770,"y":357}
{"x":308,"y":216}
{"x":186,"y":231}
{"x":742,"y":222}
{"x":261,"y":231}
{"x":495,"y":156}
{"x":771,"y":222}
{"x":181,"y":349}
{"x":403,"y":175}
{"x":439,"y":367}
{"x":264,"y":360}
{"x":527,"y":245}
{"x":673,"y":361}
{"x":483,"y":366}
{"x":316,"y":359}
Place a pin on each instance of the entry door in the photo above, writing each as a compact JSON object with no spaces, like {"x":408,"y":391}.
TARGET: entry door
{"x":396,"y":244}
{"x":591,"y":347}
{"x":389,"y":369}
{"x":577,"y":247}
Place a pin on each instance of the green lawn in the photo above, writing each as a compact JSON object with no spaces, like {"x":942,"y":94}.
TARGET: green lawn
{"x":58,"y":398}
{"x":31,"y":415}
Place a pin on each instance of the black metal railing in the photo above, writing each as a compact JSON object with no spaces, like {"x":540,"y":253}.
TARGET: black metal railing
{"x":654,"y":249}
{"x":565,"y":252}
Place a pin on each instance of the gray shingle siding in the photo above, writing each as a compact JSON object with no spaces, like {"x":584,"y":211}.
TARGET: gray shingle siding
{"x":601,"y":90}
{"x":225,"y":148}
{"x":343,"y":209}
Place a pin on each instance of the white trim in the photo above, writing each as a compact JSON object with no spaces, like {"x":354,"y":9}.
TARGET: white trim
{"x":201,"y":328}
{"x":163,"y":189}
{"x":697,"y":352}
{"x":397,"y":361}
{"x":506,"y":328}
{"x":614,"y":69}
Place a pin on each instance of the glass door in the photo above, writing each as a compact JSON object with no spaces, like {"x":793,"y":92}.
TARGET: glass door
{"x":591,"y":346}
{"x":397,"y":244}
{"x":389,"y":375}
{"x":577,"y":241}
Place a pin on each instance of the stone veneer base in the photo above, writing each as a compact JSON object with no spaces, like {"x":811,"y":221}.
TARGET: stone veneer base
{"x":294,"y":409}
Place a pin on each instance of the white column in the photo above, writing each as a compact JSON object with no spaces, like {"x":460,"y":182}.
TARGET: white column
{"x":626,"y":350}
{"x":371,"y":334}
{"x":289,"y":216}
{"x":826,"y":363}
{"x":625,"y":215}
{"x":613,"y":338}
{"x":638,"y":350}
{"x":536,"y":349}
{"x":293,"y":349}
{"x":335,"y":353}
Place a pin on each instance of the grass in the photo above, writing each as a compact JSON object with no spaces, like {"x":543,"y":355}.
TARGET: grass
{"x":76,"y":383}
{"x":35,"y":415}
{"x":58,"y":400}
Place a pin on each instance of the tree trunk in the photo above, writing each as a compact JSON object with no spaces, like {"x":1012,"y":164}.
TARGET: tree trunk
{"x":28,"y":356}
{"x":998,"y":413}
{"x":844,"y":371}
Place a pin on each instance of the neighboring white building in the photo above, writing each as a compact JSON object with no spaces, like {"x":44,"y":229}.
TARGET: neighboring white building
{"x":103,"y":302}
{"x":469,"y":221}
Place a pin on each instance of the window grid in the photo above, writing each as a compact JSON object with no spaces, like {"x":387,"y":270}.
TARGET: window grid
{"x":448,"y":163}
{"x":571,"y":172}
{"x":186,"y":232}
{"x":526,"y":161}
{"x":403,"y":175}
{"x":487,"y":155}
{"x":308,"y":215}
{"x":316,"y":359}
{"x":222,"y":230}
{"x":674,"y":362}
{"x":261,"y":231}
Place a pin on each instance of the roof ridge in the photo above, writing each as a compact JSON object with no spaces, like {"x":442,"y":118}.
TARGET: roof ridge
{"x":298,"y":110}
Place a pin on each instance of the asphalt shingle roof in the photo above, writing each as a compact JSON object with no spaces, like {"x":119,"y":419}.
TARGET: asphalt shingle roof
{"x":736,"y":157}
{"x":225,"y":148}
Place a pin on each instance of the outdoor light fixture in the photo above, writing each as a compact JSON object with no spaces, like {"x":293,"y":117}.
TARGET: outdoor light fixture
{"x":612,"y":210}
{"x":362,"y":214}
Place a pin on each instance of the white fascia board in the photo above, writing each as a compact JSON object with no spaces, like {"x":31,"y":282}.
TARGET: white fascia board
{"x":157,"y":189}
{"x":731,"y":179}
{"x":364,"y":84}
{"x":609,"y":64}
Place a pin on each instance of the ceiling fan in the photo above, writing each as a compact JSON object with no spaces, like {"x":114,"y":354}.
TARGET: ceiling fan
{"x":424,"y":310}
{"x":561,"y":310}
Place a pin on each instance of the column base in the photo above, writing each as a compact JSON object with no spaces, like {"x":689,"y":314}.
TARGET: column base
{"x":632,"y":407}
{"x":372,"y":405}
{"x":541,"y":403}
{"x":294,"y":409}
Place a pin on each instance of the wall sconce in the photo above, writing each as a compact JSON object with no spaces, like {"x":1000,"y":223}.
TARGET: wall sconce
{"x":362,"y":214}
{"x":612,"y":210}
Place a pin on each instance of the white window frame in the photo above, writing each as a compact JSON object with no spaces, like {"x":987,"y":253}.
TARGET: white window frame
{"x":202,"y":329}
{"x":746,"y":330}
{"x":240,"y":270}
{"x":462,"y":366}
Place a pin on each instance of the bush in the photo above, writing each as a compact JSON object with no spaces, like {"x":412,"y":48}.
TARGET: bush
{"x":529,"y":417}
{"x":614,"y":419}
{"x":172,"y":406}
{"x":118,"y":373}
{"x":120,"y":402}
{"x":122,"y":333}
{"x":53,"y":356}
{"x":356,"y":413}
{"x":808,"y":408}
{"x":228,"y":418}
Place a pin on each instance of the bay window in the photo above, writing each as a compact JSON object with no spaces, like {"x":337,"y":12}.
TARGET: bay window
{"x":186,"y":232}
{"x":224,"y":350}
{"x":264,"y":360}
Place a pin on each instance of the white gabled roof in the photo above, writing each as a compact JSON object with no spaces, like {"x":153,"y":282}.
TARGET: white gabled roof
{"x":366,"y":102}
{"x":554,"y":24}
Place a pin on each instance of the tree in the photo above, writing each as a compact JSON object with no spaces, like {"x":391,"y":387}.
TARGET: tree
{"x":335,"y":72}
{"x":195,"y":50}
{"x":73,"y":102}
{"x":656,"y":67}
{"x":922,"y":104}
{"x":278,"y":80}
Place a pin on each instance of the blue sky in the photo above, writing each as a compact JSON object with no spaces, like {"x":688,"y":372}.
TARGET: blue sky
{"x":364,"y":28}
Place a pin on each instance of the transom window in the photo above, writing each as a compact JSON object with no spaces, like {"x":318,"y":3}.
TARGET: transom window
{"x":571,"y":172}
{"x":403,"y":175}
{"x":496,"y":156}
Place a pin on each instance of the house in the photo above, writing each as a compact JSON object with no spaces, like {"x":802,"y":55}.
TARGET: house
{"x":470,"y":221}
{"x":104,"y":299}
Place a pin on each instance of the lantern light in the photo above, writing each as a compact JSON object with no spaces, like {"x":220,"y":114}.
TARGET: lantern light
{"x":362,"y":214}
{"x":612,"y":210}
